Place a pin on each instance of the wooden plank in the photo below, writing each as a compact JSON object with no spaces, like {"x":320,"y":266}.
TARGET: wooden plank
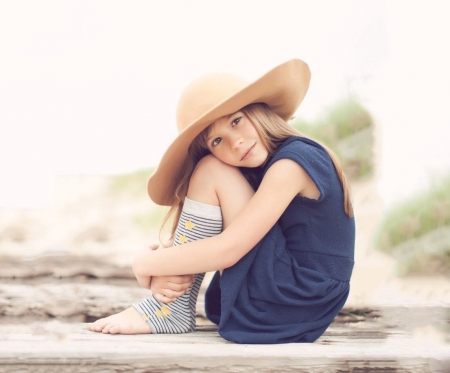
{"x":59,"y":347}
{"x":61,"y":266}
{"x":95,"y":300}
{"x":71,"y":299}
{"x":88,"y":301}
{"x":390,"y":338}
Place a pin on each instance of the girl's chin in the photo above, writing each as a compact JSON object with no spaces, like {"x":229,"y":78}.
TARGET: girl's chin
{"x":254,"y":164}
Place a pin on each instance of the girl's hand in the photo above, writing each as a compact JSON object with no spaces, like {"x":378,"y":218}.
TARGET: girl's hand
{"x":144,"y":281}
{"x":168,"y":288}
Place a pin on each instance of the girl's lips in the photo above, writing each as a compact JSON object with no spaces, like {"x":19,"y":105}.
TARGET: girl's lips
{"x":248,"y":152}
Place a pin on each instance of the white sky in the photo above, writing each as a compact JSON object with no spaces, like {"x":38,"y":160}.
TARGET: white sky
{"x":91,"y":87}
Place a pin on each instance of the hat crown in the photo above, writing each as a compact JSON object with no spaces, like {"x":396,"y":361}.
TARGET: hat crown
{"x":204,"y":94}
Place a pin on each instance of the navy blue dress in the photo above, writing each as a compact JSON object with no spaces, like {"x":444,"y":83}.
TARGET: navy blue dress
{"x":293,"y":283}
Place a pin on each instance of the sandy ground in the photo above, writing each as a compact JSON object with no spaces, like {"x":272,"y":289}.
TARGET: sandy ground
{"x":88,"y":218}
{"x":374,"y":281}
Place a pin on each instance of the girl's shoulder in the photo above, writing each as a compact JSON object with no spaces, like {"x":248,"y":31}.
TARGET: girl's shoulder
{"x":300,"y":143}
{"x":312,"y":157}
{"x":307,"y":152}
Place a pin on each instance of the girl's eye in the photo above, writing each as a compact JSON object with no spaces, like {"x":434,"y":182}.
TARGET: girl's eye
{"x":235,"y":121}
{"x":216,"y":141}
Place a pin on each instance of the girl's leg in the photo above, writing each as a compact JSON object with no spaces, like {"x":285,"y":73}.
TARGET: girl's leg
{"x":198,"y":220}
{"x":215,"y":188}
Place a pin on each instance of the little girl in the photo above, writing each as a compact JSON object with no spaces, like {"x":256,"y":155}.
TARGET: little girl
{"x":254,"y":200}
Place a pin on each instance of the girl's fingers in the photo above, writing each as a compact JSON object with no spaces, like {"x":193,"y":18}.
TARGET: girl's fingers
{"x":171,"y":286}
{"x":177,"y":287}
{"x":167,"y":295}
{"x":159,"y":297}
{"x":163,"y":299}
{"x":182,"y":279}
{"x":173,"y":294}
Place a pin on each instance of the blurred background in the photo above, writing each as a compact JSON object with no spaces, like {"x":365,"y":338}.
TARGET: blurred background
{"x":88,"y":91}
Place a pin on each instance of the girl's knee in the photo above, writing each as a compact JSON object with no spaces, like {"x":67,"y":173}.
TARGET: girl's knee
{"x":211,"y":170}
{"x":202,"y":182}
{"x":210,"y":166}
{"x":210,"y":176}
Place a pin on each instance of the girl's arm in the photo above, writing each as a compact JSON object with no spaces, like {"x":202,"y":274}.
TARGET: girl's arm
{"x":283,"y":181}
{"x":168,"y":288}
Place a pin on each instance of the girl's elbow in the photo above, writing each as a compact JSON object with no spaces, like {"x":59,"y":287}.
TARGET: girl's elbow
{"x":230,"y":256}
{"x":226,"y":262}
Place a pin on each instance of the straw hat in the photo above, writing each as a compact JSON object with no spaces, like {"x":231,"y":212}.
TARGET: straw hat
{"x":213,"y":96}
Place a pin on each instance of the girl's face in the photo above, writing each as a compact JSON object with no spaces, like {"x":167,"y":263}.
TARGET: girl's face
{"x":234,"y":140}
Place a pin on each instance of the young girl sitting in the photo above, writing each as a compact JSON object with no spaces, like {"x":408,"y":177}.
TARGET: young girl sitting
{"x":254,"y":200}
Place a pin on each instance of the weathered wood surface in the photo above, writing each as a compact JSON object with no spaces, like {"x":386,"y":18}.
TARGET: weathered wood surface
{"x":388,"y":340}
{"x":61,"y":266}
{"x":96,"y":300}
{"x":89,"y":301}
{"x":62,"y":347}
{"x":35,"y":295}
{"x":84,"y":301}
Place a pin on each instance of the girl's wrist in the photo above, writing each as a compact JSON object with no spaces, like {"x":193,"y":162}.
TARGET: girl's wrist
{"x":137,"y":264}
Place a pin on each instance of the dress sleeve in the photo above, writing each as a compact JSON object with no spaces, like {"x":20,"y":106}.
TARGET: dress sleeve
{"x":313,"y":158}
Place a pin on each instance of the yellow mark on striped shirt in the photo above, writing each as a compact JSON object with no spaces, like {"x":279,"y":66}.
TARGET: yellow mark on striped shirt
{"x":189,"y":225}
{"x":183,"y":239}
{"x":165,"y":310}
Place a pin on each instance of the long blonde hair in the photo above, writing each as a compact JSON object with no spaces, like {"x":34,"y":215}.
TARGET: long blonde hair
{"x":273,"y":131}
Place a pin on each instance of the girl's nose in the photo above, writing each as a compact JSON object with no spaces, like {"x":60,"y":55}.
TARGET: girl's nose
{"x":236,"y":142}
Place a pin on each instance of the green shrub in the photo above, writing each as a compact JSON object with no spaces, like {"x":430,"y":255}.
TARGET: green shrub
{"x":348,"y":118}
{"x":347,"y":129}
{"x":416,"y":217}
{"x":134,"y":183}
{"x":417,"y":232}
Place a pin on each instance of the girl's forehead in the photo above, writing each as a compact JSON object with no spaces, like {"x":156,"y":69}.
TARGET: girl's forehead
{"x":221,"y":121}
{"x":215,"y":125}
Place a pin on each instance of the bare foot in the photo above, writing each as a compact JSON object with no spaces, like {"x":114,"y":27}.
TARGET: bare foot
{"x":125,"y":322}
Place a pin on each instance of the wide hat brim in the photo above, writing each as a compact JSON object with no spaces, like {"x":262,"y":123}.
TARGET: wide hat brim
{"x":282,"y":89}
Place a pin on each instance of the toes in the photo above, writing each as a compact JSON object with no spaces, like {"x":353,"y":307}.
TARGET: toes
{"x":105,"y":330}
{"x":125,"y":322}
{"x":98,"y":325}
{"x":114,"y":329}
{"x":92,"y":327}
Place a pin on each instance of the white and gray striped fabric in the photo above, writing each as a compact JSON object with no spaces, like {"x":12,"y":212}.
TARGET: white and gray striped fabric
{"x":198,"y":220}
